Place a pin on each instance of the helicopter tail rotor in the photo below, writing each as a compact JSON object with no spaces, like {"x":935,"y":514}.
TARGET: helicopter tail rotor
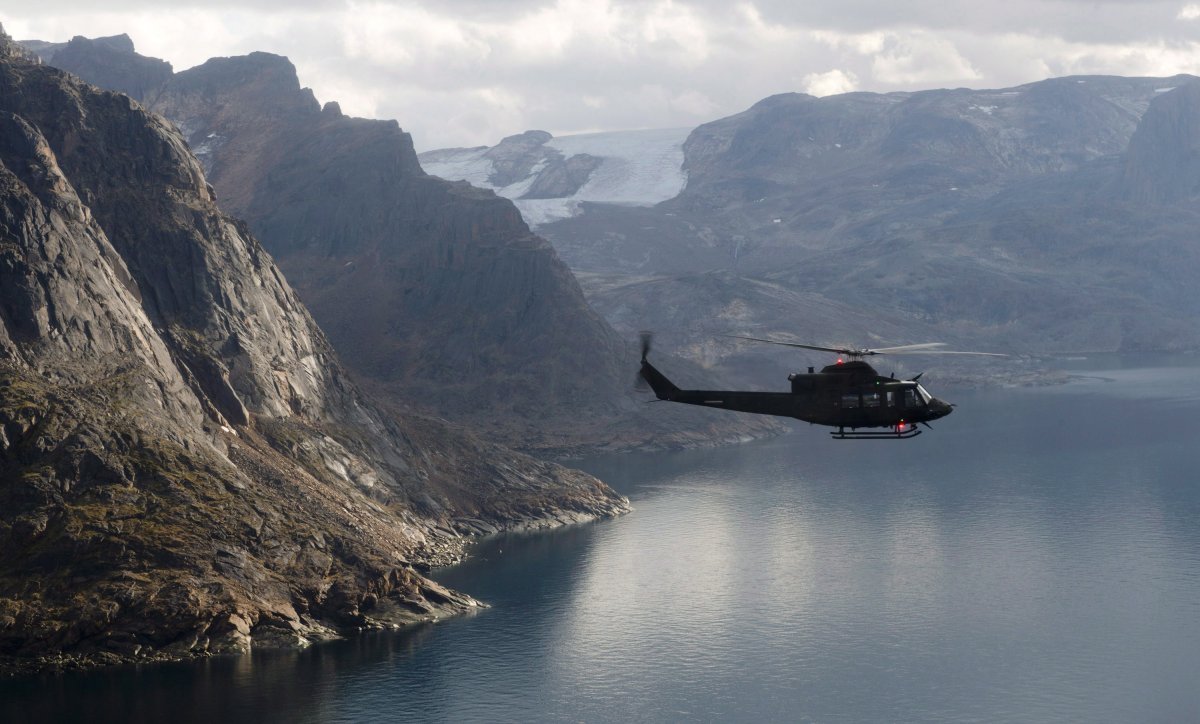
{"x":650,"y":377}
{"x":646,"y":338}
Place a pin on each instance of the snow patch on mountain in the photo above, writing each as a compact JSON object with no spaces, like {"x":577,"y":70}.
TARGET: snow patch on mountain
{"x":637,"y":168}
{"x":459,"y":164}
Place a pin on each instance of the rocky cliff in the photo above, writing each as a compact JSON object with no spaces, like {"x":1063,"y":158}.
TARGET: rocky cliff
{"x":184,"y":466}
{"x":436,"y":294}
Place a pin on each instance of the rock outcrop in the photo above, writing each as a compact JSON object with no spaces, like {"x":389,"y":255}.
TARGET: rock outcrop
{"x":185,"y":467}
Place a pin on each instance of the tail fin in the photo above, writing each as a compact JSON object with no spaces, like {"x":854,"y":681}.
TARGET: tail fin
{"x":663,"y":388}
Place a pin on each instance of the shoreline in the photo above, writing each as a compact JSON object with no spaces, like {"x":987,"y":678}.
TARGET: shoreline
{"x":413,"y":598}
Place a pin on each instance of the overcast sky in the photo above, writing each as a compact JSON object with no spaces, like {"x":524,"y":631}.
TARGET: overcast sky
{"x":468,"y":72}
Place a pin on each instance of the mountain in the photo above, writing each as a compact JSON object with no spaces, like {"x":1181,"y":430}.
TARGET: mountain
{"x":436,"y":294}
{"x":1052,"y":216}
{"x":185,"y":467}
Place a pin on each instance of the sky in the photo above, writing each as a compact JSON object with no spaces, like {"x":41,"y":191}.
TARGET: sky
{"x":469,"y":72}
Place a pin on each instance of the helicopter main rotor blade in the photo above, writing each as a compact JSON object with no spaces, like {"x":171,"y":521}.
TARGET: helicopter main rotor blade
{"x":927,"y":348}
{"x":921,"y":348}
{"x":909,"y":347}
{"x":838,"y":350}
{"x":943,"y":351}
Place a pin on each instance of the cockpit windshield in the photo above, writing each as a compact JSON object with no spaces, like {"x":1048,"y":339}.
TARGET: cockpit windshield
{"x":925,"y":396}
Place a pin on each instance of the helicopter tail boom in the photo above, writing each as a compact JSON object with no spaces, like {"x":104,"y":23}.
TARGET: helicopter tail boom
{"x":764,"y":403}
{"x":663,"y":388}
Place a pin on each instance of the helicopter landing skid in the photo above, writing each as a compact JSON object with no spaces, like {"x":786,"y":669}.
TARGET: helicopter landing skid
{"x":894,"y":434}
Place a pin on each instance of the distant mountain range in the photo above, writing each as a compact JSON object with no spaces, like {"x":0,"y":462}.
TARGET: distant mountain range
{"x":1055,"y":216}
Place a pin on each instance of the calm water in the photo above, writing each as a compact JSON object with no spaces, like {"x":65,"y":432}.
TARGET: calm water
{"x":1035,"y":558}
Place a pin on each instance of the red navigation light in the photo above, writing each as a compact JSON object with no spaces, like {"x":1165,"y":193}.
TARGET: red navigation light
{"x":839,"y":360}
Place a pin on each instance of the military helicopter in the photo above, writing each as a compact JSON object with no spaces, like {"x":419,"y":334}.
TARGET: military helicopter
{"x":849,"y":394}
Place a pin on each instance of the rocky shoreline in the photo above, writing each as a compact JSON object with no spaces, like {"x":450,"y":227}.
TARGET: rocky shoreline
{"x":401,"y":598}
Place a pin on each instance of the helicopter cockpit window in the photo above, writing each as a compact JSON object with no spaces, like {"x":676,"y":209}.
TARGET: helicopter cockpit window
{"x":870,"y":399}
{"x":850,"y":400}
{"x":925,"y":396}
{"x":912,"y":399}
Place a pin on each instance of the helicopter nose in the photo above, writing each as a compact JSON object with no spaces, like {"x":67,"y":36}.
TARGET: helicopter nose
{"x":940,"y":408}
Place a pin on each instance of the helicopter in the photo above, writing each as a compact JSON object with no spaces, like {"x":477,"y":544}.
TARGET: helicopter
{"x":848,"y":395}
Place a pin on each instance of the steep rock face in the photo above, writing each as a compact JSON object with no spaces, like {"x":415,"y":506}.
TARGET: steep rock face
{"x":184,"y":467}
{"x":436,"y":294}
{"x":1163,"y":162}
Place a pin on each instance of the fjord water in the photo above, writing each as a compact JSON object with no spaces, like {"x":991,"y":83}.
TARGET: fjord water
{"x":1034,"y":558}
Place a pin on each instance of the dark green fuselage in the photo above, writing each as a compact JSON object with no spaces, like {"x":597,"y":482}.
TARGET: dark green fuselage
{"x":844,"y":395}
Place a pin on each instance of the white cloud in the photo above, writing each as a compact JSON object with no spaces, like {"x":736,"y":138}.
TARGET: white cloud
{"x":920,"y":58}
{"x":830,"y":83}
{"x":676,"y":34}
{"x":861,"y":43}
{"x":694,"y":104}
{"x":408,"y":36}
{"x":468,"y":72}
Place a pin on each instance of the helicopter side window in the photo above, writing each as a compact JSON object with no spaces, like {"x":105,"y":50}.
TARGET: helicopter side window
{"x":911,"y":399}
{"x":870,"y":399}
{"x":891,"y":398}
{"x":850,"y":401}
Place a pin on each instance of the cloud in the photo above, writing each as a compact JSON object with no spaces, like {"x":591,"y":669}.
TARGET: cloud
{"x":468,"y":72}
{"x":408,"y":37}
{"x":830,"y":83}
{"x":918,"y":59}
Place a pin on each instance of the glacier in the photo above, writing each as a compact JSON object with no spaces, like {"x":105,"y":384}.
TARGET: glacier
{"x":637,"y":168}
